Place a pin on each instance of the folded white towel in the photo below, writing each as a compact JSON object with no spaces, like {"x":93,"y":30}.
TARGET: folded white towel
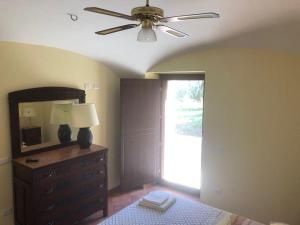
{"x":156,"y":197}
{"x":161,"y":208}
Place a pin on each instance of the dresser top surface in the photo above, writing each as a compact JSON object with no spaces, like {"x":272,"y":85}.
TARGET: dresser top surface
{"x":57,"y":155}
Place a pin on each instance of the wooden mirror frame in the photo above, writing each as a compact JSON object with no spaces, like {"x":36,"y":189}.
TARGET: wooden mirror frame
{"x":36,"y":95}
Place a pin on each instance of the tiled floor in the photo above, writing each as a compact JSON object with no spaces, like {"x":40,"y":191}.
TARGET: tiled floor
{"x":118,"y":201}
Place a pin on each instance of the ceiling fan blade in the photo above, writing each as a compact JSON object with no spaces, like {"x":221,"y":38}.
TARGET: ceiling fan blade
{"x":117,"y":29}
{"x":171,"y":31}
{"x":109,"y":13}
{"x":189,"y":17}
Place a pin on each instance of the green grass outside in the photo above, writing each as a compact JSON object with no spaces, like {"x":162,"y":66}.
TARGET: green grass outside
{"x":189,"y":121}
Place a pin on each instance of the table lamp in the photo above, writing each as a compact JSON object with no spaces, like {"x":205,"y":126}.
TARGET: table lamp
{"x":60,"y":115}
{"x":84,"y":116}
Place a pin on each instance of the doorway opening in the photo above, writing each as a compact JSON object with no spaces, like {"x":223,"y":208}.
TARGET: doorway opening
{"x":183,"y":133}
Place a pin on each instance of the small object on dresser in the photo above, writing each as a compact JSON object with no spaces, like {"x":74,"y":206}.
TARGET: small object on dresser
{"x":32,"y":160}
{"x":84,"y":116}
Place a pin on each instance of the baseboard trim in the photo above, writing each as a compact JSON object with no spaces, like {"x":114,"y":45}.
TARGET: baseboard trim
{"x":181,"y":188}
{"x":4,"y":161}
{"x":114,"y":190}
{"x":177,"y":187}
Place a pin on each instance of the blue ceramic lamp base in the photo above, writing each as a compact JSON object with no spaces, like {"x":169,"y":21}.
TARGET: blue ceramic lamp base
{"x":64,"y":133}
{"x":85,"y":138}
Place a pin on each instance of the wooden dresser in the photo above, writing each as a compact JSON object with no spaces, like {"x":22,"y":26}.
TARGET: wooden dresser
{"x":65,"y":186}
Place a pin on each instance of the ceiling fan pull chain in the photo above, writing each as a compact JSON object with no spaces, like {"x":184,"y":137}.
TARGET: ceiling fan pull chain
{"x":73,"y":17}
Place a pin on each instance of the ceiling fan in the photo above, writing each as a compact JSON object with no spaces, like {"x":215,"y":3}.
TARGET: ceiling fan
{"x":149,"y":17}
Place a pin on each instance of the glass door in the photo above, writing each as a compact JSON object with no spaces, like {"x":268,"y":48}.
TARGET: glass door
{"x":183,"y":133}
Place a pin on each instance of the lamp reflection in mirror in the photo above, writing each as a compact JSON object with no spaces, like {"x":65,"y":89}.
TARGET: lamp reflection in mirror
{"x":29,"y":112}
{"x":84,"y":116}
{"x":61,"y":115}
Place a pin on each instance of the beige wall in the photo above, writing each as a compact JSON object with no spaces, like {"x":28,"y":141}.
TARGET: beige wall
{"x":251,"y":147}
{"x":27,"y":66}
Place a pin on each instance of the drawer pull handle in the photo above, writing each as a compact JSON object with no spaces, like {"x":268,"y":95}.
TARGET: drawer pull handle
{"x":51,"y":207}
{"x":88,"y":176}
{"x":92,"y":174}
{"x":50,"y":191}
{"x":102,"y":159}
{"x":51,"y":223}
{"x":63,"y":184}
{"x":101,"y":186}
{"x":51,"y":174}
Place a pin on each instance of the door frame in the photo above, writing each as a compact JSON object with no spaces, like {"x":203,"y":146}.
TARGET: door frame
{"x":164,"y":79}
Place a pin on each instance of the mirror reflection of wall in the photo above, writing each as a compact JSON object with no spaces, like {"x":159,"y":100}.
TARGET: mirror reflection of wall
{"x":41,"y":121}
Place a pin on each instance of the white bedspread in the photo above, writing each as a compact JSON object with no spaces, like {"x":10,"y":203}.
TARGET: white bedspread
{"x":183,"y":212}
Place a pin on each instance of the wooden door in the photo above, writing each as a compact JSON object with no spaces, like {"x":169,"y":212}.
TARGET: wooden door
{"x":140,"y":132}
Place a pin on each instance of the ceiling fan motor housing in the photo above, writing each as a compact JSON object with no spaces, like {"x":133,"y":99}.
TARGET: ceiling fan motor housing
{"x":149,"y":11}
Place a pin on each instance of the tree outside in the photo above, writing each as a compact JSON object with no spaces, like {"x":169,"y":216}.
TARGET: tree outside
{"x":189,"y":97}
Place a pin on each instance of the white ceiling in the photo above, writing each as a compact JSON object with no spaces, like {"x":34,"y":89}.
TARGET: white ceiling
{"x":243,"y":23}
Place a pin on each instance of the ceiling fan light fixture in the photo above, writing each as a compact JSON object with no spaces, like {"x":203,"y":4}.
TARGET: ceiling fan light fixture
{"x":148,"y":17}
{"x":147,"y":34}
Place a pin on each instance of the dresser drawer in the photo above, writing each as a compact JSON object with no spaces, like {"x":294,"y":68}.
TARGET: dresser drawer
{"x":88,"y":161}
{"x":54,"y":200}
{"x":52,"y":173}
{"x":91,"y":189}
{"x":52,"y":188}
{"x":75,"y":183}
{"x":95,"y":200}
{"x":62,"y":187}
{"x":91,"y":173}
{"x":61,"y":206}
{"x":63,"y":219}
{"x":62,"y":176}
{"x":89,"y":205}
{"x":73,"y":208}
{"x":56,"y":193}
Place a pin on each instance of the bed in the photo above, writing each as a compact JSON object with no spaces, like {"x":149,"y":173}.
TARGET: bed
{"x":183,"y":212}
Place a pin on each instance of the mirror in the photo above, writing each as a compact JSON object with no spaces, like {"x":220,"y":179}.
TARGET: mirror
{"x":44,"y":124}
{"x":39,"y":119}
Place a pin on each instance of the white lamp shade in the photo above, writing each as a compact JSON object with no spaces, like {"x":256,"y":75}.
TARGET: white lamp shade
{"x":147,"y":35}
{"x":84,"y":115}
{"x":29,"y":112}
{"x":61,"y":113}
